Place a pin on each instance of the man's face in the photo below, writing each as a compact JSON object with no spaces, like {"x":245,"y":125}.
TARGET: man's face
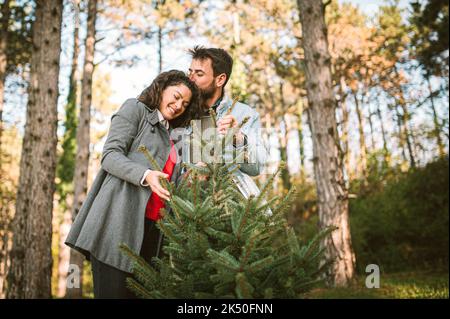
{"x":201,"y":72}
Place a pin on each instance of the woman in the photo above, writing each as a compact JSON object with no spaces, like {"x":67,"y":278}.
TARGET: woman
{"x":123,"y":203}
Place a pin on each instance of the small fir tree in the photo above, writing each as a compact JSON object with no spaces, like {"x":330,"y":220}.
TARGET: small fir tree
{"x":218,"y":244}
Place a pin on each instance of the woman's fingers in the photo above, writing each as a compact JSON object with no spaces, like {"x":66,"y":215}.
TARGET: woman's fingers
{"x":161,"y":192}
{"x":156,"y":186}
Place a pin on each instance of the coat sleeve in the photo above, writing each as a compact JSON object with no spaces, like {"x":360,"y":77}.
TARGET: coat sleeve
{"x":123,"y":130}
{"x":256,"y":150}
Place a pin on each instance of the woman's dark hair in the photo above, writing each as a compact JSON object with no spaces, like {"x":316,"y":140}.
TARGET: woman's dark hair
{"x":152,"y":95}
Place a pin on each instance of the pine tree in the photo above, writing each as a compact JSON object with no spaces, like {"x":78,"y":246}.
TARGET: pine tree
{"x":219,"y":244}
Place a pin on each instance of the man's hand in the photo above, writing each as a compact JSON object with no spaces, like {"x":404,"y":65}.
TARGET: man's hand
{"x":152,"y":180}
{"x":227,"y":122}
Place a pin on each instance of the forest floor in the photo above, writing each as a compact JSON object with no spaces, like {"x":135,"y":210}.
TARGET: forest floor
{"x":402,"y":285}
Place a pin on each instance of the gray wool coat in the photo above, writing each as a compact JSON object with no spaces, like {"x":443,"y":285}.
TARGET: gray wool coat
{"x":114,"y":209}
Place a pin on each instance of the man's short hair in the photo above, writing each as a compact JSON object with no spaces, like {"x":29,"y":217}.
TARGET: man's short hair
{"x":221,"y":61}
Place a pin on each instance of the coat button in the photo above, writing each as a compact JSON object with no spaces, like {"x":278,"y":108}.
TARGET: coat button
{"x":153,"y":130}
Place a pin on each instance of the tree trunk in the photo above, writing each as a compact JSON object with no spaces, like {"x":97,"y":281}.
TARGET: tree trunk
{"x":283,"y":143}
{"x":437,"y":126}
{"x":331,"y":189}
{"x":83,"y":138}
{"x":362,"y":163}
{"x":344,"y":126}
{"x":407,"y":135}
{"x":301,"y":138}
{"x":404,"y":122}
{"x":31,"y":258}
{"x":64,"y":254}
{"x":67,"y":160}
{"x":401,"y":135}
{"x":404,"y":134}
{"x":386,"y":154}
{"x":4,"y":23}
{"x":160,"y":63}
{"x":372,"y":132}
{"x":4,"y":224}
{"x":285,"y":178}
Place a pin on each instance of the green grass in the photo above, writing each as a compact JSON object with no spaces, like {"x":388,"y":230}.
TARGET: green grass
{"x":405,"y":285}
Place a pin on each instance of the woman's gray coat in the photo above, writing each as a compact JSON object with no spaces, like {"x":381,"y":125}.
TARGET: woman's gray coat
{"x":114,"y":209}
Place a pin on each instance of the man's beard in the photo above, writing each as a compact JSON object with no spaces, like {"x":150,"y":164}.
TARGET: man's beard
{"x":207,"y":93}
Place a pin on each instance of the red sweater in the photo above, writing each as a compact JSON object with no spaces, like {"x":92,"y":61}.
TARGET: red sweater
{"x":155,"y":203}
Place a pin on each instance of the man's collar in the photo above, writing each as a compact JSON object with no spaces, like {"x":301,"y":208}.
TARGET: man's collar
{"x":217,"y":103}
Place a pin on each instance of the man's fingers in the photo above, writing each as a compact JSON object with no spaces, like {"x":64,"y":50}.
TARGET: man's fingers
{"x":226,"y":121}
{"x":223,"y":128}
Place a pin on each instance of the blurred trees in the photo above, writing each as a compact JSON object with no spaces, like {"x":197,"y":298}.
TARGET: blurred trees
{"x":4,"y":23}
{"x":429,"y":21}
{"x":389,"y":81}
{"x":401,"y":222}
{"x":83,"y":136}
{"x":15,"y":45}
{"x":66,"y":158}
{"x":15,"y":50}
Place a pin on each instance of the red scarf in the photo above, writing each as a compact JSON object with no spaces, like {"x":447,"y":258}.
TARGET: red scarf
{"x":155,"y":203}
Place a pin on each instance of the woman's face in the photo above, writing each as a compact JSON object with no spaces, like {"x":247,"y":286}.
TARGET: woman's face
{"x":175,"y":100}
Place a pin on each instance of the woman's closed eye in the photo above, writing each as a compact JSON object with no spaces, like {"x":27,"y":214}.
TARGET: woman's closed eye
{"x":178,"y":97}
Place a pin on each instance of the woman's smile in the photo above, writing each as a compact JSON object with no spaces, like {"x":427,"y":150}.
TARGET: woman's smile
{"x":175,"y":99}
{"x":172,"y":110}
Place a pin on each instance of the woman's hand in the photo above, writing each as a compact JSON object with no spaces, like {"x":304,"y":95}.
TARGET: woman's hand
{"x":152,"y":180}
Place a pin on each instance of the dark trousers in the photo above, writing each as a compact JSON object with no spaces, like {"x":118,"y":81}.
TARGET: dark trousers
{"x":110,"y":282}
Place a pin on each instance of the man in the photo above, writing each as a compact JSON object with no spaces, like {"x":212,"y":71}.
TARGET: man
{"x":210,"y":70}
